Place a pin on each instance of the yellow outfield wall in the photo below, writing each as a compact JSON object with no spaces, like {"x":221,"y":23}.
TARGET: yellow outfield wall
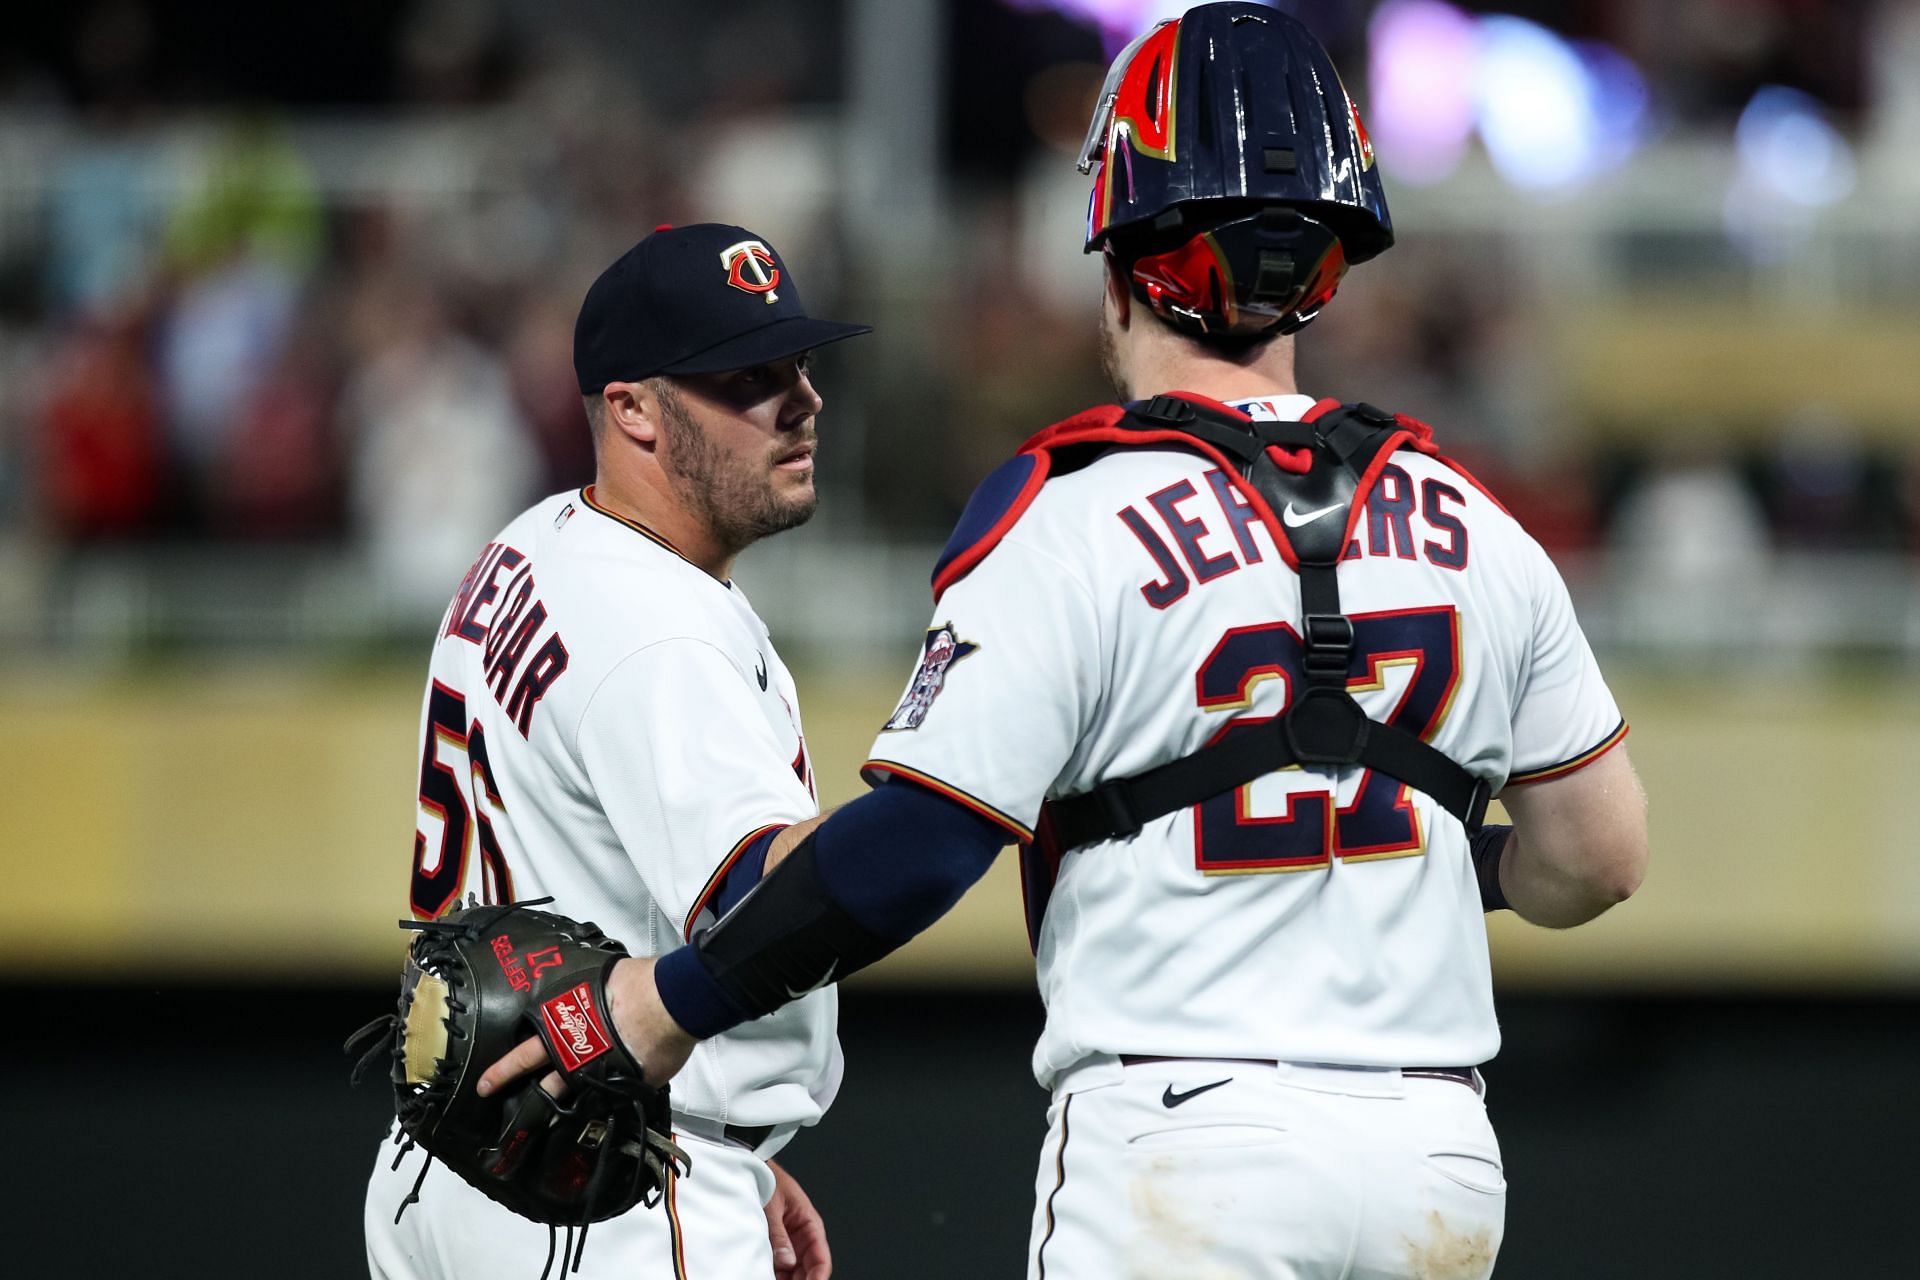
{"x":257,"y":824}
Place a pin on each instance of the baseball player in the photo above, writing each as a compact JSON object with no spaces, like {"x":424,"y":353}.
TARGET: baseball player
{"x":1239,"y":671}
{"x":607,"y":723}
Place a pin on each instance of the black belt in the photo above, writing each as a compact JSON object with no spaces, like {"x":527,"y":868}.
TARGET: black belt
{"x":749,"y":1136}
{"x":1467,"y":1076}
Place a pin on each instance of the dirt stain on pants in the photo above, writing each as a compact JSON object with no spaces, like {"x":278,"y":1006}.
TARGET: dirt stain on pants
{"x":1446,"y":1254}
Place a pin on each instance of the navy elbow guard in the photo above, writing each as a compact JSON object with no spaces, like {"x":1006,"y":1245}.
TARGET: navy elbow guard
{"x":1487,"y":844}
{"x":786,"y":938}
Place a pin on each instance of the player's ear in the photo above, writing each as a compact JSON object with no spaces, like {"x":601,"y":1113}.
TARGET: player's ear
{"x":633,"y":410}
{"x":1119,"y":288}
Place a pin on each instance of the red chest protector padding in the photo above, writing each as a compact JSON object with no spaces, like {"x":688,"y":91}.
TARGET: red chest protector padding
{"x":1328,"y":464}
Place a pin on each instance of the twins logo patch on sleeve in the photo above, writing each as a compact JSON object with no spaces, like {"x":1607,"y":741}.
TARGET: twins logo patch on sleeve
{"x":944,"y":647}
{"x":574,"y":1027}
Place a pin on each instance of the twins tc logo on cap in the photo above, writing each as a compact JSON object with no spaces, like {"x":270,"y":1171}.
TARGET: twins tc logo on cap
{"x":750,"y":267}
{"x":944,"y":648}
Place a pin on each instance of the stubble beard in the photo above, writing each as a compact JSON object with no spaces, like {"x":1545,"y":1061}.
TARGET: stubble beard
{"x":1110,"y":357}
{"x":733,"y":495}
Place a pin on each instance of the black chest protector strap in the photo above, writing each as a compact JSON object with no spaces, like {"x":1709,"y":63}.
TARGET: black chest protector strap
{"x":1323,"y":725}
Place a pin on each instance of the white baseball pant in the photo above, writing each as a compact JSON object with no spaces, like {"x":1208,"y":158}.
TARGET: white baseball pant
{"x":1226,"y":1169}
{"x":711,"y":1223}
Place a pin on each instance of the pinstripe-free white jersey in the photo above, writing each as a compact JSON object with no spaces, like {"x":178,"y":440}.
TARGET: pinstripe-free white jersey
{"x":609,"y":724}
{"x":1136,"y":611}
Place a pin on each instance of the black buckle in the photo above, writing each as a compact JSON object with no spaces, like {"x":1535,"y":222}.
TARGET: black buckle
{"x":1117,"y":811}
{"x":1477,"y":806}
{"x":1329,"y":646}
{"x":1325,"y":726}
{"x":1168,"y":411}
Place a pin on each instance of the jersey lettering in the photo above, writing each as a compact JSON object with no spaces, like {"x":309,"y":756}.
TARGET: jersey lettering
{"x":1239,"y":512}
{"x":1381,"y":821}
{"x":506,"y":660}
{"x":546,"y":667}
{"x":479,"y":589}
{"x":1390,"y":515}
{"x":519,"y":596}
{"x":1173,"y":584}
{"x":1452,"y":555}
{"x":1391,"y":509}
{"x":507,"y":633}
{"x":1188,"y":532}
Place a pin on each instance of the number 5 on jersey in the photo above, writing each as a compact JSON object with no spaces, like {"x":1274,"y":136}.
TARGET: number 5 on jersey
{"x":457,"y":798}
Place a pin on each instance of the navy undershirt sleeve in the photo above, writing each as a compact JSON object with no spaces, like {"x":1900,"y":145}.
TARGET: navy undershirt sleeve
{"x":900,"y":856}
{"x":895,"y":860}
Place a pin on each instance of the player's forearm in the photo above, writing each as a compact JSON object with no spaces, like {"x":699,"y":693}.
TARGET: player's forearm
{"x":1559,"y":893}
{"x":785,"y":842}
{"x":1579,"y":843}
{"x":887,"y":866}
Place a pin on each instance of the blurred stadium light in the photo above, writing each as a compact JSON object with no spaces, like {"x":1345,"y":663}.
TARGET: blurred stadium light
{"x":1552,"y":113}
{"x":1119,"y":21}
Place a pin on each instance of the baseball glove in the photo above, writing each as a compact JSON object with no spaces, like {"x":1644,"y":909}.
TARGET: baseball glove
{"x":478,"y":982}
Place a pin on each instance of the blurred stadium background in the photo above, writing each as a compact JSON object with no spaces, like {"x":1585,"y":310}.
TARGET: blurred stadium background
{"x":286,"y":298}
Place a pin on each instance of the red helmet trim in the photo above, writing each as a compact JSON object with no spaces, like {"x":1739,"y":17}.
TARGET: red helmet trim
{"x":1136,"y":113}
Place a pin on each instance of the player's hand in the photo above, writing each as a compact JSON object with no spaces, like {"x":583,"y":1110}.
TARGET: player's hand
{"x":643,"y":1024}
{"x":794,"y":1229}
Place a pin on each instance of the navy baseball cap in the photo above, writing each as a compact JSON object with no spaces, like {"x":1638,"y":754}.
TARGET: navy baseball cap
{"x":697,"y":299}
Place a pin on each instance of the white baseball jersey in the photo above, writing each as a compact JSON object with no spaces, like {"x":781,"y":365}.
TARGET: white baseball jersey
{"x":1137,"y":610}
{"x":608,"y":724}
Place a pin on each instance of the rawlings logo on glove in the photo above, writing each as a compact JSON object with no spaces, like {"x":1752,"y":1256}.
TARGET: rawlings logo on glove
{"x":572,"y":1026}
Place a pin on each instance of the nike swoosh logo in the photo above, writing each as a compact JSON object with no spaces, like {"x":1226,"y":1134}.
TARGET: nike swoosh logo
{"x":760,"y":673}
{"x":1170,"y":1099}
{"x":824,"y":980}
{"x":1294,"y":519}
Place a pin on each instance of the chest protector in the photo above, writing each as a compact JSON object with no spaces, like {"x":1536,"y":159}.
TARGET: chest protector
{"x":1322,"y":467}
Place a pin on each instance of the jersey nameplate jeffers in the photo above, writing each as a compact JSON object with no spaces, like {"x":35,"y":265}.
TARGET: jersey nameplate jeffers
{"x":1400,"y":519}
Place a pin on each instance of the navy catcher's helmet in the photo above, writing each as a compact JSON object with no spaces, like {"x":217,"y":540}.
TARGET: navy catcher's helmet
{"x":1231,"y":173}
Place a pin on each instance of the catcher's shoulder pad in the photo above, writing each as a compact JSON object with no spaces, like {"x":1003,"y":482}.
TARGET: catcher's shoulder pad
{"x":1066,"y":446}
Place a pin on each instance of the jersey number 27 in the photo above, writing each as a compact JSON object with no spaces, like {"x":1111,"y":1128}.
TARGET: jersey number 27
{"x":1380,"y":821}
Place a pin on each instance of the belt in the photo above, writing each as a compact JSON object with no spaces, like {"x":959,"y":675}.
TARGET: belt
{"x":1467,"y":1076}
{"x":749,"y":1136}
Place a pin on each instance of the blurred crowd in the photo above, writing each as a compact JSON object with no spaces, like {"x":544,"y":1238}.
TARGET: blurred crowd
{"x":230,"y":325}
{"x":229,"y":333}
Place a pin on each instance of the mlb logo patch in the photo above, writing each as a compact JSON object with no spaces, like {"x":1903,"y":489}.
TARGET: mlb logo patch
{"x":944,"y":647}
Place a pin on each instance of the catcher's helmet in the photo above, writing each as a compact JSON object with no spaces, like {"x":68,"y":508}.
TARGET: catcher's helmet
{"x":1231,"y":173}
